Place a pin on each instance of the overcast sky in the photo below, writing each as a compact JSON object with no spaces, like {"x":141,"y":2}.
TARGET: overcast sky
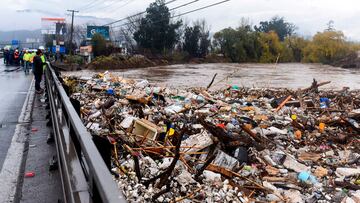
{"x":309,"y":16}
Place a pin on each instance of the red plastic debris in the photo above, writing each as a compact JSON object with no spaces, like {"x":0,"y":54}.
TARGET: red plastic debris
{"x":221,"y":125}
{"x":34,"y":130}
{"x":29,"y":174}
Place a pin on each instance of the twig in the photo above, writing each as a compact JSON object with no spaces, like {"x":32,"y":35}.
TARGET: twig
{"x":166,"y":174}
{"x":283,"y":103}
{"x":212,"y":81}
{"x":187,"y":196}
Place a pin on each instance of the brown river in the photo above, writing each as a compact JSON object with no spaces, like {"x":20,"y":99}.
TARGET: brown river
{"x":288,"y":75}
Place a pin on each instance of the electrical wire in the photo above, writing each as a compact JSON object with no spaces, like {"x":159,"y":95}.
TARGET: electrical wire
{"x":166,"y":3}
{"x":182,"y":14}
{"x":89,"y":5}
{"x":106,"y":6}
{"x":96,"y":5}
{"x":121,"y":6}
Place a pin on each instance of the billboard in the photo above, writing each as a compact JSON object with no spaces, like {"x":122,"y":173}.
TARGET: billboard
{"x":52,"y":26}
{"x":102,"y":30}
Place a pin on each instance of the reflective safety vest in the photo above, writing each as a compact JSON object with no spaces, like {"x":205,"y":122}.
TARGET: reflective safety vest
{"x":32,"y":57}
{"x":27,"y":57}
{"x":44,"y":61}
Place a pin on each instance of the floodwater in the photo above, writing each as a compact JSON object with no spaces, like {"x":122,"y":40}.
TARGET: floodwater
{"x":288,"y":75}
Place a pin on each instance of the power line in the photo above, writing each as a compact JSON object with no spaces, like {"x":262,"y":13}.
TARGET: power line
{"x":103,"y":7}
{"x":202,"y":8}
{"x":97,"y":4}
{"x":183,"y":5}
{"x":137,"y":14}
{"x":182,"y":14}
{"x":121,"y":6}
{"x":89,"y":4}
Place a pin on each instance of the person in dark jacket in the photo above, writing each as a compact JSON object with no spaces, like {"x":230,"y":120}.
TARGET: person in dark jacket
{"x":11,"y":57}
{"x":38,"y":71}
{"x":6,"y":57}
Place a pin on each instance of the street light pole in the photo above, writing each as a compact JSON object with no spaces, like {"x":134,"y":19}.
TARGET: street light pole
{"x":72,"y":29}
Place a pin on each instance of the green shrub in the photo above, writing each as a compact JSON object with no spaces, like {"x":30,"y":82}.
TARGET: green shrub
{"x":74,"y":59}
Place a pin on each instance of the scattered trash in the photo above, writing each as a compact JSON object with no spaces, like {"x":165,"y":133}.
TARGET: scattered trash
{"x":231,"y":145}
{"x":34,"y":130}
{"x":29,"y":174}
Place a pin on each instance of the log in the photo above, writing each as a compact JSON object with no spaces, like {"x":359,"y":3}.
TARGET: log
{"x":316,"y":85}
{"x":167,"y":173}
{"x":206,"y":164}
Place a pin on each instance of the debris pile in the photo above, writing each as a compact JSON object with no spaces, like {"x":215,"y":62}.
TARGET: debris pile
{"x":230,"y":145}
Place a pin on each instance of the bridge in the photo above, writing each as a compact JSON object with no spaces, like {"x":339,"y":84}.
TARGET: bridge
{"x":46,"y":153}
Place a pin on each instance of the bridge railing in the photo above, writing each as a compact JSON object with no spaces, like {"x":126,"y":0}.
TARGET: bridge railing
{"x":84,"y":175}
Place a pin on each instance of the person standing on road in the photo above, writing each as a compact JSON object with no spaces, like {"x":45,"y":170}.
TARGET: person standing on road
{"x":43,"y":58}
{"x":38,"y":71}
{"x":6,"y":56}
{"x":16,"y":58}
{"x":32,"y":55}
{"x":11,"y":57}
{"x":26,"y":59}
{"x":21,"y":59}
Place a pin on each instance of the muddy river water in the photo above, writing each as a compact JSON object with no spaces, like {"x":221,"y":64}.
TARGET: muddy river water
{"x":292,"y":75}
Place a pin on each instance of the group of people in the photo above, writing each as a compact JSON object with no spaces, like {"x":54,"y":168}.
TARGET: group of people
{"x":28,"y":59}
{"x":23,"y":58}
{"x":13,"y":57}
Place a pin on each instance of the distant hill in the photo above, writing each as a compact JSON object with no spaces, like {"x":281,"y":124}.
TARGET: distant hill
{"x":22,"y":35}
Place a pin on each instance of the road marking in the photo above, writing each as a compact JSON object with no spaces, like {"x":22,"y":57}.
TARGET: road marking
{"x":10,"y":175}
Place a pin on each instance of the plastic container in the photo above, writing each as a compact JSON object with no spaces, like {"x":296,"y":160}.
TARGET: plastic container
{"x":29,"y":174}
{"x":322,"y":127}
{"x":298,"y":135}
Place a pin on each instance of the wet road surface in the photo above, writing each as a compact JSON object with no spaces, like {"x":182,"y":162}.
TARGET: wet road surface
{"x":14,"y":87}
{"x":292,"y":75}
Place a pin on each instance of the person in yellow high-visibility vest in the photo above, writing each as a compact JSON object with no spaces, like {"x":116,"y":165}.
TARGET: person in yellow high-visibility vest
{"x":32,"y":55}
{"x":26,"y":59}
{"x":43,"y":59}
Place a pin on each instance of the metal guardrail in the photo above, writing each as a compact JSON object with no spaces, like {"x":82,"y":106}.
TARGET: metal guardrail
{"x":84,"y":175}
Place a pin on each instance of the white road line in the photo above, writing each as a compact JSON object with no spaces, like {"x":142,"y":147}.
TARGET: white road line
{"x":10,"y":172}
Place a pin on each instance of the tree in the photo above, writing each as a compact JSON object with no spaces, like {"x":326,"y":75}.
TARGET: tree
{"x":296,"y":46}
{"x":271,"y":47}
{"x":99,"y":45}
{"x":330,"y":26}
{"x":278,"y":25}
{"x":239,"y":45}
{"x":49,"y":40}
{"x":196,"y":39}
{"x":156,"y":32}
{"x":205,"y":41}
{"x":191,"y":40}
{"x":126,"y":33}
{"x":327,"y":47}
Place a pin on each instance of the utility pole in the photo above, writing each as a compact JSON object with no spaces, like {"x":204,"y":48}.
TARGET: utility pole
{"x":72,"y":29}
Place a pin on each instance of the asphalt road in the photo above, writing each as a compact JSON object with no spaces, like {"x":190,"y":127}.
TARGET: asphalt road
{"x":14,"y":86}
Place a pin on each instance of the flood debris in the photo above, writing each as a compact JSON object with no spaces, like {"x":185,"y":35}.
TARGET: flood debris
{"x":230,"y":145}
